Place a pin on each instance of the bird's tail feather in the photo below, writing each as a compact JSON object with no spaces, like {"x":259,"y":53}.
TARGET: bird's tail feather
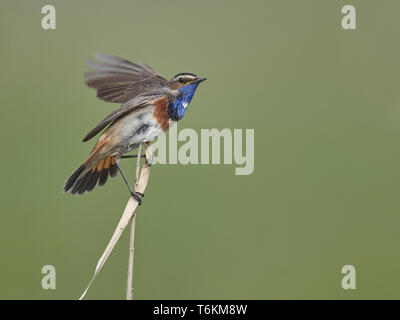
{"x":86,"y":176}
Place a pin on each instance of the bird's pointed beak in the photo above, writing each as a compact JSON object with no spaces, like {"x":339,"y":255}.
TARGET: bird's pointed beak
{"x":198,"y":80}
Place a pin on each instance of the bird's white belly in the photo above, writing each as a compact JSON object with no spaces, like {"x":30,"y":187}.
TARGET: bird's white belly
{"x":137,"y":127}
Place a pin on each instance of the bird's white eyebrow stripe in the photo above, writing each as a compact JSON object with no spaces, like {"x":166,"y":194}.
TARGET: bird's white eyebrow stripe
{"x":187,"y":77}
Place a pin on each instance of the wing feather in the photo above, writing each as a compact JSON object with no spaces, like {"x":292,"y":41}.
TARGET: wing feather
{"x":111,"y":60}
{"x":140,"y":101}
{"x":114,"y":74}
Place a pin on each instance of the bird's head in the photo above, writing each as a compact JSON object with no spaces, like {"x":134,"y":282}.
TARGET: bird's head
{"x":186,"y":84}
{"x":183,"y":79}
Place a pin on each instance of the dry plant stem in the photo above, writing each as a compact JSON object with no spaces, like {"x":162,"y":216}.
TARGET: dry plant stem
{"x":126,"y":216}
{"x":129,"y":286}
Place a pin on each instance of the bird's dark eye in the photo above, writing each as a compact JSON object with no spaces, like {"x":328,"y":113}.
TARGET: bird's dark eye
{"x":180,"y":79}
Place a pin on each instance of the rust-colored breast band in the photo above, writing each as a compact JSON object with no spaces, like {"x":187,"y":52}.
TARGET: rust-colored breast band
{"x":161,"y":113}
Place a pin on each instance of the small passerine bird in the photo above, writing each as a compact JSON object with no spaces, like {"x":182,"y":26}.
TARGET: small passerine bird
{"x":150,"y":105}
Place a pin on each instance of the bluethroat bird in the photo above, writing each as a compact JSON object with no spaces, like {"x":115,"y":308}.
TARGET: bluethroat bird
{"x":150,"y":104}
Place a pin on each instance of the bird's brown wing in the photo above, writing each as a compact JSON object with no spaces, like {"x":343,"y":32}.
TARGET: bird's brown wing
{"x":119,"y":80}
{"x":140,"y":101}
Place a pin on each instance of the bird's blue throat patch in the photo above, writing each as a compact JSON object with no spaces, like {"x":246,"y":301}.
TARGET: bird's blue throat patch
{"x":178,"y":108}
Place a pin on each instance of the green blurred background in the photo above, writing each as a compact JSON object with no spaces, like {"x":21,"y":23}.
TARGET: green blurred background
{"x":325,"y":106}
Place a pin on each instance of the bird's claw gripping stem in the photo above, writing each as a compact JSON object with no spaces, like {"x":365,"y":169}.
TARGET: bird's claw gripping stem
{"x":137,"y":196}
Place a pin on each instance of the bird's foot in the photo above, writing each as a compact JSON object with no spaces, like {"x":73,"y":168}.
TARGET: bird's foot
{"x":137,"y":196}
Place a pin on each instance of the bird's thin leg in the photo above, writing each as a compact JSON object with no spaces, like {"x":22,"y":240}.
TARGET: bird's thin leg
{"x":137,"y":195}
{"x":129,"y":156}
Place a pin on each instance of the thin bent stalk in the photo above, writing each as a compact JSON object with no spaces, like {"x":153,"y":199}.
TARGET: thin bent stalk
{"x":126,"y":216}
{"x":129,"y":286}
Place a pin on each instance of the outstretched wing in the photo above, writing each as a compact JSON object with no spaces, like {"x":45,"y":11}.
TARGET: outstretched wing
{"x":119,"y":80}
{"x":140,"y":101}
